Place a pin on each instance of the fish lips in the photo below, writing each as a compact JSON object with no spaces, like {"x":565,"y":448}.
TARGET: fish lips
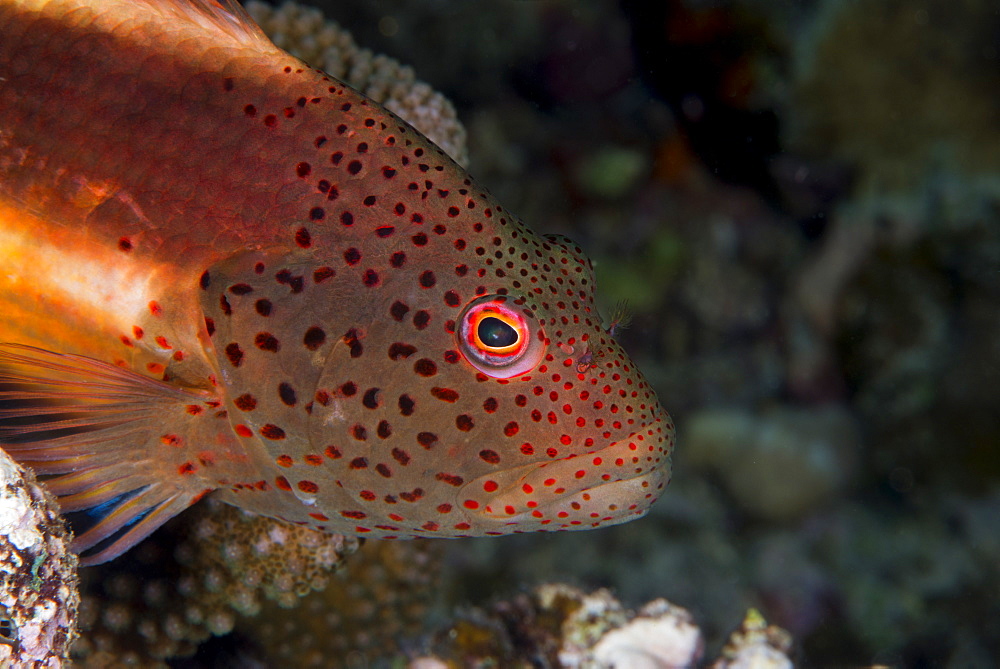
{"x":580,"y":491}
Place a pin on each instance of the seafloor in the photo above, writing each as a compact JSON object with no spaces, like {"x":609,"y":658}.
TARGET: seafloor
{"x":801,"y":203}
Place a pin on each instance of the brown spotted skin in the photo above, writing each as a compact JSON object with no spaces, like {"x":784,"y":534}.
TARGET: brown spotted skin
{"x":309,"y":256}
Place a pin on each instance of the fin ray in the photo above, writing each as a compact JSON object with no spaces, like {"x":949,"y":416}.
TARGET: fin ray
{"x":101,"y":433}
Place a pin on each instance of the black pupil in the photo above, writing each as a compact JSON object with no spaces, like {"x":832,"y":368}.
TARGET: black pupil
{"x":494,"y":333}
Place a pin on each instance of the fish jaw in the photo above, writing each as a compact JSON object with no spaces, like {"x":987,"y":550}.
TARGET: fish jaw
{"x":607,"y":486}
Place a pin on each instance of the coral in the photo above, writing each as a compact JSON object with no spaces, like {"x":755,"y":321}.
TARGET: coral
{"x":756,"y":645}
{"x":369,"y":610}
{"x":556,"y":625}
{"x":39,"y":591}
{"x":305,"y":33}
{"x":172,"y":592}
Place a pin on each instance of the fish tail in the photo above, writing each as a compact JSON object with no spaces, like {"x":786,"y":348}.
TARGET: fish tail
{"x":110,"y":442}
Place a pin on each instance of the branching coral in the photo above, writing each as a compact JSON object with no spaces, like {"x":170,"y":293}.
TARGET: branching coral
{"x":307,"y":34}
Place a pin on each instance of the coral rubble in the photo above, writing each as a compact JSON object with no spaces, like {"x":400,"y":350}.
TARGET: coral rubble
{"x":39,"y":592}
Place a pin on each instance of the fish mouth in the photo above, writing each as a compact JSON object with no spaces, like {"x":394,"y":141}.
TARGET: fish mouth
{"x":604,"y":487}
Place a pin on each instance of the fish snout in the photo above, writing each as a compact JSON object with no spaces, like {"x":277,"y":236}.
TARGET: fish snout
{"x":603,"y":487}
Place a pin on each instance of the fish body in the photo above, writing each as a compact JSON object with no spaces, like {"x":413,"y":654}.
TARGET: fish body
{"x":223,"y":271}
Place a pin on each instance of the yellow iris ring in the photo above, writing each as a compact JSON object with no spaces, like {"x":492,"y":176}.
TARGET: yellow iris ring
{"x":489,"y":312}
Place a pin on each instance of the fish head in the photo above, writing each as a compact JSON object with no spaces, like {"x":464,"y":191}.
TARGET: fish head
{"x":479,"y":393}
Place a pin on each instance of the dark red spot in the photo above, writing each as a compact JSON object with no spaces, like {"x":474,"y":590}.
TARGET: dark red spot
{"x":270,"y":120}
{"x":314,"y":338}
{"x":464,"y":422}
{"x":511,"y":429}
{"x":250,"y":111}
{"x":349,"y":389}
{"x":383,"y":470}
{"x":490,"y":405}
{"x":205,"y":281}
{"x":398,"y":259}
{"x":398,"y":310}
{"x":235,"y":354}
{"x":303,"y":169}
{"x":266,"y":341}
{"x":224,"y":306}
{"x":451,"y":356}
{"x":427,"y":279}
{"x":371,"y":399}
{"x":321,"y":274}
{"x":427,"y":439}
{"x":359,"y":463}
{"x":450,"y":479}
{"x":445,"y":394}
{"x":354,"y":167}
{"x":272,"y":431}
{"x":388,"y":172}
{"x":125,"y":244}
{"x":419,"y":239}
{"x":451,"y":298}
{"x":245,"y":402}
{"x":186,"y":468}
{"x":284,"y":461}
{"x":369,"y":200}
{"x":287,"y":394}
{"x":313,"y":459}
{"x":352,"y":256}
{"x":406,"y":405}
{"x":353,"y":342}
{"x":425,"y":367}
{"x":489,"y":456}
{"x":385,"y":231}
{"x":421,"y":319}
{"x":347,"y":218}
{"x":384,"y":429}
{"x":317,"y":214}
{"x":370,"y":278}
{"x":308,"y":487}
{"x":453,"y":211}
{"x":263,"y":307}
{"x":333,"y":452}
{"x":399,"y":351}
{"x":359,"y":432}
{"x":357,"y":515}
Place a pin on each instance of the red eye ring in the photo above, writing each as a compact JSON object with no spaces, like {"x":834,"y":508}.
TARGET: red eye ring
{"x":500,"y":338}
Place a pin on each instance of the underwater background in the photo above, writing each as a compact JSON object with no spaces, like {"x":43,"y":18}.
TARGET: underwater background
{"x":801,"y":203}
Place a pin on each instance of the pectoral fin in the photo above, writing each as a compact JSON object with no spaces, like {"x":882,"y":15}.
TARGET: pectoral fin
{"x":135,"y":451}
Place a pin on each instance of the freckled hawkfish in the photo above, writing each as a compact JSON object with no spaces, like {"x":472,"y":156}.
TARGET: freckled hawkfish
{"x":224,"y":272}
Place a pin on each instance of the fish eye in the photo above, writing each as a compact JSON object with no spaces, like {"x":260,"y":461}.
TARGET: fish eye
{"x":500,"y":338}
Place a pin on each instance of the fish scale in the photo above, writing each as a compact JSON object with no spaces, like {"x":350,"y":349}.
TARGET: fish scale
{"x":316,"y":279}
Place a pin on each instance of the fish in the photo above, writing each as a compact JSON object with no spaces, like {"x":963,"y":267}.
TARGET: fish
{"x":224,"y":272}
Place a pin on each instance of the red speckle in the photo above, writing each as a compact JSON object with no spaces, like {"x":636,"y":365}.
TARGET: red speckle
{"x":187,"y":468}
{"x":284,"y":460}
{"x":155,"y":309}
{"x":137,"y":332}
{"x":308,"y":487}
{"x":162,"y":342}
{"x":243,"y":431}
{"x":313,"y":459}
{"x":282,"y":483}
{"x":490,"y":486}
{"x":470,"y":504}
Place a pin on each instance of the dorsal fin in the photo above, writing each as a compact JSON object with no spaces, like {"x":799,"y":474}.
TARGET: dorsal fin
{"x":111,"y":440}
{"x":229,"y":16}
